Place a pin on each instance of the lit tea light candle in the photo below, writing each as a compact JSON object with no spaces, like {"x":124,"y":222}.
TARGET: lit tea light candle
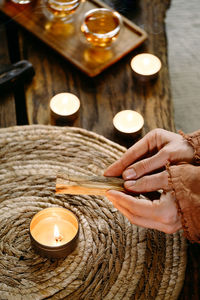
{"x":146,"y":66}
{"x":64,"y":107}
{"x":54,"y":232}
{"x":128,"y":122}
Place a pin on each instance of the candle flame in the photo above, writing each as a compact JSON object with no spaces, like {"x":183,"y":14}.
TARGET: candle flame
{"x":58,"y":237}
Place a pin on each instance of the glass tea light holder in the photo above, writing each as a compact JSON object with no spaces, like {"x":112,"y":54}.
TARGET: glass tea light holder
{"x":101,"y":27}
{"x":54,"y":232}
{"x":64,"y":108}
{"x":146,"y":66}
{"x":128,"y":123}
{"x":61,"y":10}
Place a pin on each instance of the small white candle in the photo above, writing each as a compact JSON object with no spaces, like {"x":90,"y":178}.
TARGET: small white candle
{"x":146,"y":65}
{"x":54,"y":232}
{"x":128,"y":121}
{"x":64,"y":104}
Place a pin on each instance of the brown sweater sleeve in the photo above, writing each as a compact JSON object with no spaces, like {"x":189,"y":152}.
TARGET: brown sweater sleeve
{"x":194,"y":140}
{"x":185,"y":180}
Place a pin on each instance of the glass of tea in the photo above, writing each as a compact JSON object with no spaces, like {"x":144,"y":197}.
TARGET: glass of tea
{"x":101,"y":27}
{"x":61,"y":10}
{"x":21,"y":1}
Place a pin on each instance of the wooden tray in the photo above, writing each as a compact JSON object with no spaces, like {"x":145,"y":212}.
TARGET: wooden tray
{"x":68,"y":40}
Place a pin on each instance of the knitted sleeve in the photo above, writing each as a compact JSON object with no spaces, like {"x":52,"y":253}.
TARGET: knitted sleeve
{"x":185,"y":181}
{"x":194,"y":140}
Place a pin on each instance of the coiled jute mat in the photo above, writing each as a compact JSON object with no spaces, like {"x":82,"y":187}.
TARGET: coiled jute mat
{"x":113,"y":260}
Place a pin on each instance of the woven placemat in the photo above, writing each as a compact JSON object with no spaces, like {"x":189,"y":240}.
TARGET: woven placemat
{"x":113,"y":260}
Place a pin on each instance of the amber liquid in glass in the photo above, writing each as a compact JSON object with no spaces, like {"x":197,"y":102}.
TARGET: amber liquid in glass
{"x":62,"y":8}
{"x":101,"y":28}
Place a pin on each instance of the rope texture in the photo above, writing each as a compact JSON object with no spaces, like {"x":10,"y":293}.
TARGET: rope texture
{"x":113,"y":260}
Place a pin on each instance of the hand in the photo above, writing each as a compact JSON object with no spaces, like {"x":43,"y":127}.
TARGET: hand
{"x":170,"y":147}
{"x":158,"y":214}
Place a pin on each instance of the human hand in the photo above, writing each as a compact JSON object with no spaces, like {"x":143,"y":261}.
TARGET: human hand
{"x":159,"y":214}
{"x":170,"y":148}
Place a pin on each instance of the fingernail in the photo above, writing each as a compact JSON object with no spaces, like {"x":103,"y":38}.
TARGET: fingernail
{"x":129,"y":184}
{"x":106,"y":173}
{"x":129,"y":174}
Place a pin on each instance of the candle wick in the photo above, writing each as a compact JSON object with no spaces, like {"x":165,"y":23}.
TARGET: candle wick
{"x":59,"y":238}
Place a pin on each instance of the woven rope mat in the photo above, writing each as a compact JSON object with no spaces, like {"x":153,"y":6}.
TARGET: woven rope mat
{"x":113,"y":260}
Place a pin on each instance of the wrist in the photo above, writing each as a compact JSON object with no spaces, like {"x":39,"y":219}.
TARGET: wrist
{"x":193,"y":140}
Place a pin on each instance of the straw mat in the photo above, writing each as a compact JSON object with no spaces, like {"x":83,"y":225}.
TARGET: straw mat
{"x":113,"y":260}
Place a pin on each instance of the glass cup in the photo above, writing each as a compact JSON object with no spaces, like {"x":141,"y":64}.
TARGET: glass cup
{"x":61,"y":9}
{"x":101,"y":27}
{"x":21,"y":1}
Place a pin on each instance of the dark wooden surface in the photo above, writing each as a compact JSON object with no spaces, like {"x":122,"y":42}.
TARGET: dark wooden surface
{"x":66,"y":38}
{"x":113,"y":90}
{"x":7,"y":101}
{"x":101,"y":97}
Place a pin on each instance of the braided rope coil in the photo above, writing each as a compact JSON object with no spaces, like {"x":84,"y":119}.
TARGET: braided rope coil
{"x":113,"y":260}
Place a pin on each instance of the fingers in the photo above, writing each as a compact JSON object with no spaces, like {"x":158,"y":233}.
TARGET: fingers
{"x":149,"y":183}
{"x":133,"y":204}
{"x":146,"y":223}
{"x":147,"y":165}
{"x":158,"y":214}
{"x":154,"y":139}
{"x":131,"y":155}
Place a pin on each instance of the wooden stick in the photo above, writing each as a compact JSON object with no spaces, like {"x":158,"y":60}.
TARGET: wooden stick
{"x":87,"y":185}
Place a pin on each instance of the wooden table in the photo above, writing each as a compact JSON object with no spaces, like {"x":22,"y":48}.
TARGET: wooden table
{"x":101,"y":97}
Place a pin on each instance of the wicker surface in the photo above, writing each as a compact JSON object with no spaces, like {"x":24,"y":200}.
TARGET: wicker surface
{"x":114,"y":260}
